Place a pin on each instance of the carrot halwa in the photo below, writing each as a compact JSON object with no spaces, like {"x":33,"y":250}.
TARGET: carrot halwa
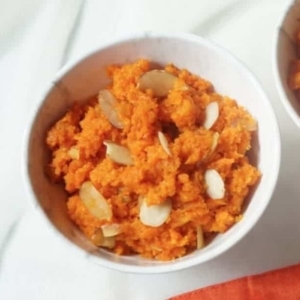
{"x":154,"y":164}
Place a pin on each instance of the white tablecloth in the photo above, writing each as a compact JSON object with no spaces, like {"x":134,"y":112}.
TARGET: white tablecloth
{"x":36,"y":38}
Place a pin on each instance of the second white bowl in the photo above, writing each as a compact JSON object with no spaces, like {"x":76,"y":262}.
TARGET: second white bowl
{"x":284,"y":51}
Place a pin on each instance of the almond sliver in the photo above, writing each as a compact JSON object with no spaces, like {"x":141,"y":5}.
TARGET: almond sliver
{"x":97,"y":237}
{"x":164,"y":143}
{"x":155,"y":215}
{"x":108,"y":242}
{"x":200,"y":238}
{"x":118,"y":154}
{"x":213,"y":146}
{"x":94,"y":201}
{"x":211,"y":114}
{"x":215,"y":187}
{"x":215,"y":141}
{"x":100,"y":240}
{"x":111,"y":230}
{"x":159,"y":81}
{"x":107,"y":103}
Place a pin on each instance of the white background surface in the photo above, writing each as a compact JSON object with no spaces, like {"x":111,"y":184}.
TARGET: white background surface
{"x":36,"y":38}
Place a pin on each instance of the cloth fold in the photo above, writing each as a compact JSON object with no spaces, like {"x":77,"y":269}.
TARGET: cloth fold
{"x":279,"y":284}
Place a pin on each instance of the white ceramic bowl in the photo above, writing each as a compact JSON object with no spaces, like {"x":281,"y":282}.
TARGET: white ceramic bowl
{"x":82,"y":79}
{"x":283,"y":52}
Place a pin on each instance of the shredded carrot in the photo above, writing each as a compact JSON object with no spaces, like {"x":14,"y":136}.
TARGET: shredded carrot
{"x":155,"y":174}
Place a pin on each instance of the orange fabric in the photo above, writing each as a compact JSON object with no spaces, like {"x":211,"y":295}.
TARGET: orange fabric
{"x":280,"y":284}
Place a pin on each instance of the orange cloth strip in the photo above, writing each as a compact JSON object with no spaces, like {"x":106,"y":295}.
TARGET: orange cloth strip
{"x":279,"y":284}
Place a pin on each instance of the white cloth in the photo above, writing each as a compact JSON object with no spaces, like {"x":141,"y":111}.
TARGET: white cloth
{"x":33,"y":38}
{"x":36,"y":37}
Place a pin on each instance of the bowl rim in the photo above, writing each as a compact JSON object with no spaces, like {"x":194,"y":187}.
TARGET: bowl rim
{"x":278,"y":82}
{"x":177,"y":264}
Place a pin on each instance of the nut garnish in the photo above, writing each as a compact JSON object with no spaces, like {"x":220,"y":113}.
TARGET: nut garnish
{"x":111,"y":230}
{"x":164,"y":142}
{"x":99,"y":240}
{"x":118,"y":154}
{"x":214,"y":143}
{"x":107,"y":103}
{"x":109,"y":242}
{"x":200,"y":238}
{"x":211,"y":114}
{"x":155,"y":215}
{"x":94,"y":201}
{"x":215,"y":188}
{"x":159,"y":81}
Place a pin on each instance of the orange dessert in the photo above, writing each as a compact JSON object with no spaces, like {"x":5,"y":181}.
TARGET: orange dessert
{"x":155,"y":163}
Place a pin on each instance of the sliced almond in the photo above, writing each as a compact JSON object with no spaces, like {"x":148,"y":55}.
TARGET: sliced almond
{"x":155,"y":215}
{"x":215,"y":141}
{"x":200,"y":238}
{"x":211,"y":114}
{"x":111,"y":230}
{"x":107,"y":103}
{"x":74,"y":153}
{"x":159,"y":81}
{"x":97,"y":238}
{"x":100,"y":240}
{"x":164,"y":142}
{"x":94,"y":201}
{"x":213,"y":146}
{"x":118,"y":154}
{"x":109,"y":242}
{"x":215,"y":187}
